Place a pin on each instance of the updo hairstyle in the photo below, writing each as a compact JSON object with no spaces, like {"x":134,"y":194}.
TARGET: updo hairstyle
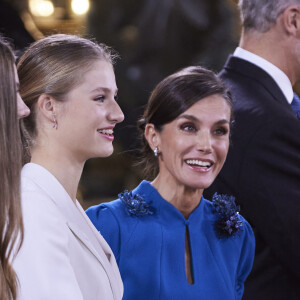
{"x":173,"y":96}
{"x":54,"y":66}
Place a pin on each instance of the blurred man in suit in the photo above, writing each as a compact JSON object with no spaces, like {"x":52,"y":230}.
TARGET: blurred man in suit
{"x":263,"y":166}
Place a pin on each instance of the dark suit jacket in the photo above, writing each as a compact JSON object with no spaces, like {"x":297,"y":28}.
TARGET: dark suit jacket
{"x":262,"y":171}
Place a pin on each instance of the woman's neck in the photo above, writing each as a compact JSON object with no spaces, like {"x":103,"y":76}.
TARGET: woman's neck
{"x":66,"y":170}
{"x":184,"y":198}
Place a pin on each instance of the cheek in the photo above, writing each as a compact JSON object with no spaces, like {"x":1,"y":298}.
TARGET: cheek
{"x":83,"y":117}
{"x":174,"y":147}
{"x":222,"y":149}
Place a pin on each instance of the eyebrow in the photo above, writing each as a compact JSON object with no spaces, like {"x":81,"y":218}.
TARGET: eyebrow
{"x":194,"y":119}
{"x":101,"y":89}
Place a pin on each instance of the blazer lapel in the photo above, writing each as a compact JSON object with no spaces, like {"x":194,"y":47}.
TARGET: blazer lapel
{"x":248,"y":69}
{"x":78,"y":223}
{"x":106,"y":254}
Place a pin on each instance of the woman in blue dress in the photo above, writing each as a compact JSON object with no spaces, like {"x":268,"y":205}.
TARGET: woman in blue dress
{"x":170,"y":242}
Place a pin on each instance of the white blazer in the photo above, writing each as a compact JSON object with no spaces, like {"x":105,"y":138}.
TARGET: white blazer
{"x":63,"y":256}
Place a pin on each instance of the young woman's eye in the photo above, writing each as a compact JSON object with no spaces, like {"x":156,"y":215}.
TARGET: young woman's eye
{"x":188,"y":127}
{"x":221,"y":131}
{"x":99,"y":99}
{"x":116,"y":97}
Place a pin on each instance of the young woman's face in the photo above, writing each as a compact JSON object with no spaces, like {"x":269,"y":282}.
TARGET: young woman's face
{"x":87,"y":118}
{"x":194,"y":146}
{"x":23,"y":110}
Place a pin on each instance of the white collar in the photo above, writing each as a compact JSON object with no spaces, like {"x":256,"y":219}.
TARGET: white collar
{"x":279,"y":76}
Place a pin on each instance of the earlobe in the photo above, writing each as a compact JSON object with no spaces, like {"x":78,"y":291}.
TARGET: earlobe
{"x":46,"y":105}
{"x":151,"y":135}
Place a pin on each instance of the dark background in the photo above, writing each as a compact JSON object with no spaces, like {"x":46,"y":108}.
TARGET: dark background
{"x":154,"y":39}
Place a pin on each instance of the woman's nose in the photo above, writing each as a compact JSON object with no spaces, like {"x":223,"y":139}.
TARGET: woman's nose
{"x":23,"y":110}
{"x":204,"y":142}
{"x":116,"y":115}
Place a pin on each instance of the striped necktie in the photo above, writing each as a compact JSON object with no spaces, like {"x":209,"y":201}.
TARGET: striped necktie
{"x":296,"y":106}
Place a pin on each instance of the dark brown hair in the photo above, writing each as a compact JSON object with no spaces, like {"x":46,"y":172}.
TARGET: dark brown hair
{"x":173,"y":96}
{"x":53,"y":66}
{"x":11,"y":226}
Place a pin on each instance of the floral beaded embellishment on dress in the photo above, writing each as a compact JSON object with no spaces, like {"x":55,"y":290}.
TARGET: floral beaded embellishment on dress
{"x":228,"y":223}
{"x":135,"y":204}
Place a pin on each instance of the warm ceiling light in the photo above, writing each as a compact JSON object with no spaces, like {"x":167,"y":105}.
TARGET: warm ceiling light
{"x":41,"y":8}
{"x":80,"y":7}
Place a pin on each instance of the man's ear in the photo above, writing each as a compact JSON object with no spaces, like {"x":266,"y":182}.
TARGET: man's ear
{"x":291,"y":20}
{"x":152,"y":136}
{"x":46,"y":105}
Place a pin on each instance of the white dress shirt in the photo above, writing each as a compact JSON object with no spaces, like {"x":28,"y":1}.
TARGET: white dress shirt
{"x":279,"y":76}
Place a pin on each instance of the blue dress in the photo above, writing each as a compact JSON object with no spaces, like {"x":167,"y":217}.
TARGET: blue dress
{"x":150,"y":250}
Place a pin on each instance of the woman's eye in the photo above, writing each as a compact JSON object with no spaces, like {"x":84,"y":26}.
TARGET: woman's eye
{"x":99,"y":99}
{"x":221,"y":131}
{"x":116,"y":98}
{"x":188,"y":127}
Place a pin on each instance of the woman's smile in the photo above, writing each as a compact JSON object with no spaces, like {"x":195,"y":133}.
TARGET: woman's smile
{"x":193,"y":147}
{"x":199,"y":165}
{"x":93,"y":105}
{"x":107,"y":133}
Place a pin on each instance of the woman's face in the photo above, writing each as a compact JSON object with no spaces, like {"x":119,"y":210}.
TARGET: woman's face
{"x":86,"y":120}
{"x":193,"y":147}
{"x":23,"y":110}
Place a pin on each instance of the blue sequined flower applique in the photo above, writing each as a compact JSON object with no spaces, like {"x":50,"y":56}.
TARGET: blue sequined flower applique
{"x":135,"y":204}
{"x":228,"y":222}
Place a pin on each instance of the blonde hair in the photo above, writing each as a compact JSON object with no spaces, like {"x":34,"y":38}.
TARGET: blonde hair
{"x":53,"y":66}
{"x":11,"y":224}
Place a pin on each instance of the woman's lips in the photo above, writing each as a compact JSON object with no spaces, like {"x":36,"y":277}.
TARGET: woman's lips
{"x":107,"y":133}
{"x":199,"y":165}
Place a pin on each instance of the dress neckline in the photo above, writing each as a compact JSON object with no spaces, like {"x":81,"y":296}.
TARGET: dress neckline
{"x":167,"y":212}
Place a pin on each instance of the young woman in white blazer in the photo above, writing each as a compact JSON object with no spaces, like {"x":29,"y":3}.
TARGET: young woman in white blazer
{"x":69,"y":84}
